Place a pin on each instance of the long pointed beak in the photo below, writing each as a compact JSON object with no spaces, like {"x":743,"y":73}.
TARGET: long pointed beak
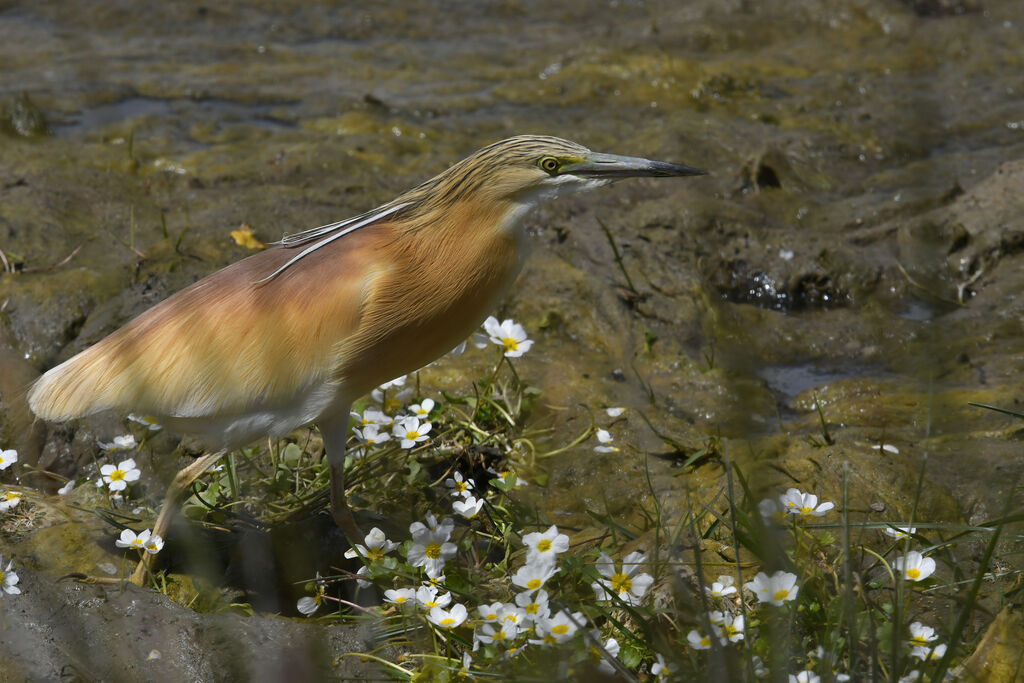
{"x":611,"y":166}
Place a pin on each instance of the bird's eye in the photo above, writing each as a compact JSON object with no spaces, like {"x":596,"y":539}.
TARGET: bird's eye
{"x":549,"y":165}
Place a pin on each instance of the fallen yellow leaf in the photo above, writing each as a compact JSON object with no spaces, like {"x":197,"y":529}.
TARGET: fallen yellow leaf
{"x":244,"y":238}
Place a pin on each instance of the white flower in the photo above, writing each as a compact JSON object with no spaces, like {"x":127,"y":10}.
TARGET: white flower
{"x":921,"y":634}
{"x":8,"y":458}
{"x":535,"y":607}
{"x":560,"y":627}
{"x":459,"y":486}
{"x":145,"y":541}
{"x":9,"y":499}
{"x":614,"y":412}
{"x":887,"y":447}
{"x":8,"y":578}
{"x":371,"y":434}
{"x":544,"y":547}
{"x":662,"y":671}
{"x":727,"y":626}
{"x":927,"y":654}
{"x":393,"y":402}
{"x":760,"y":670}
{"x":722,"y":587}
{"x":805,"y":677}
{"x":117,"y":478}
{"x":597,"y":650}
{"x":144,"y":420}
{"x":771,"y":511}
{"x":376,"y":546}
{"x":776,"y":589}
{"x":468,"y":508}
{"x":372,"y":416}
{"x":427,"y":597}
{"x":508,"y":334}
{"x":911,"y":677}
{"x":490,"y":612}
{"x":605,"y":438}
{"x":698,"y":641}
{"x":396,"y":382}
{"x":899,"y":532}
{"x":400,"y":596}
{"x":504,"y":632}
{"x":532,"y":576}
{"x":422,"y":409}
{"x":307,"y":605}
{"x":430,"y":548}
{"x":153,"y":542}
{"x":628,"y":584}
{"x":120,"y":443}
{"x":410,"y":431}
{"x":796,"y":502}
{"x":66,"y":488}
{"x":517,"y":615}
{"x":448,"y":618}
{"x":915,"y":566}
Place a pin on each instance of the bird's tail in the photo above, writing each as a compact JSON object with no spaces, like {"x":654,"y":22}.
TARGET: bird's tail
{"x":75,"y":388}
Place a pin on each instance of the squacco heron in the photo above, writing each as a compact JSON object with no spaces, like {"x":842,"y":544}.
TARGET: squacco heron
{"x":291,"y":336}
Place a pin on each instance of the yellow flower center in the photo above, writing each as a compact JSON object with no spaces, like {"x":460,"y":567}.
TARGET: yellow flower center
{"x":447,"y":622}
{"x":136,"y":543}
{"x":806,"y":510}
{"x":621,"y":583}
{"x":781,"y":595}
{"x":432,"y":550}
{"x":560,"y":629}
{"x":400,"y":599}
{"x":918,"y":640}
{"x":491,"y":617}
{"x":550,"y":640}
{"x":500,"y":635}
{"x":412,"y":435}
{"x":531,"y":608}
{"x":914,"y":573}
{"x":117,"y":475}
{"x":460,"y":486}
{"x":510,"y":343}
{"x":705,"y":641}
{"x":430,"y":603}
{"x":12,"y":495}
{"x":544,"y":545}
{"x":533,"y":584}
{"x":374,"y":554}
{"x":510,"y":617}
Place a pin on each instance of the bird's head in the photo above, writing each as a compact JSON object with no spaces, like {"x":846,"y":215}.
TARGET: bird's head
{"x":528,"y":168}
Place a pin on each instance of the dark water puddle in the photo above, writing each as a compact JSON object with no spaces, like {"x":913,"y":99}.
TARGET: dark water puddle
{"x":789,"y":381}
{"x":262,"y":115}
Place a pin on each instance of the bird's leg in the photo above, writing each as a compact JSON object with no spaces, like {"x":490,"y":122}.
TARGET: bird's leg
{"x":178,"y":486}
{"x":335,"y":433}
